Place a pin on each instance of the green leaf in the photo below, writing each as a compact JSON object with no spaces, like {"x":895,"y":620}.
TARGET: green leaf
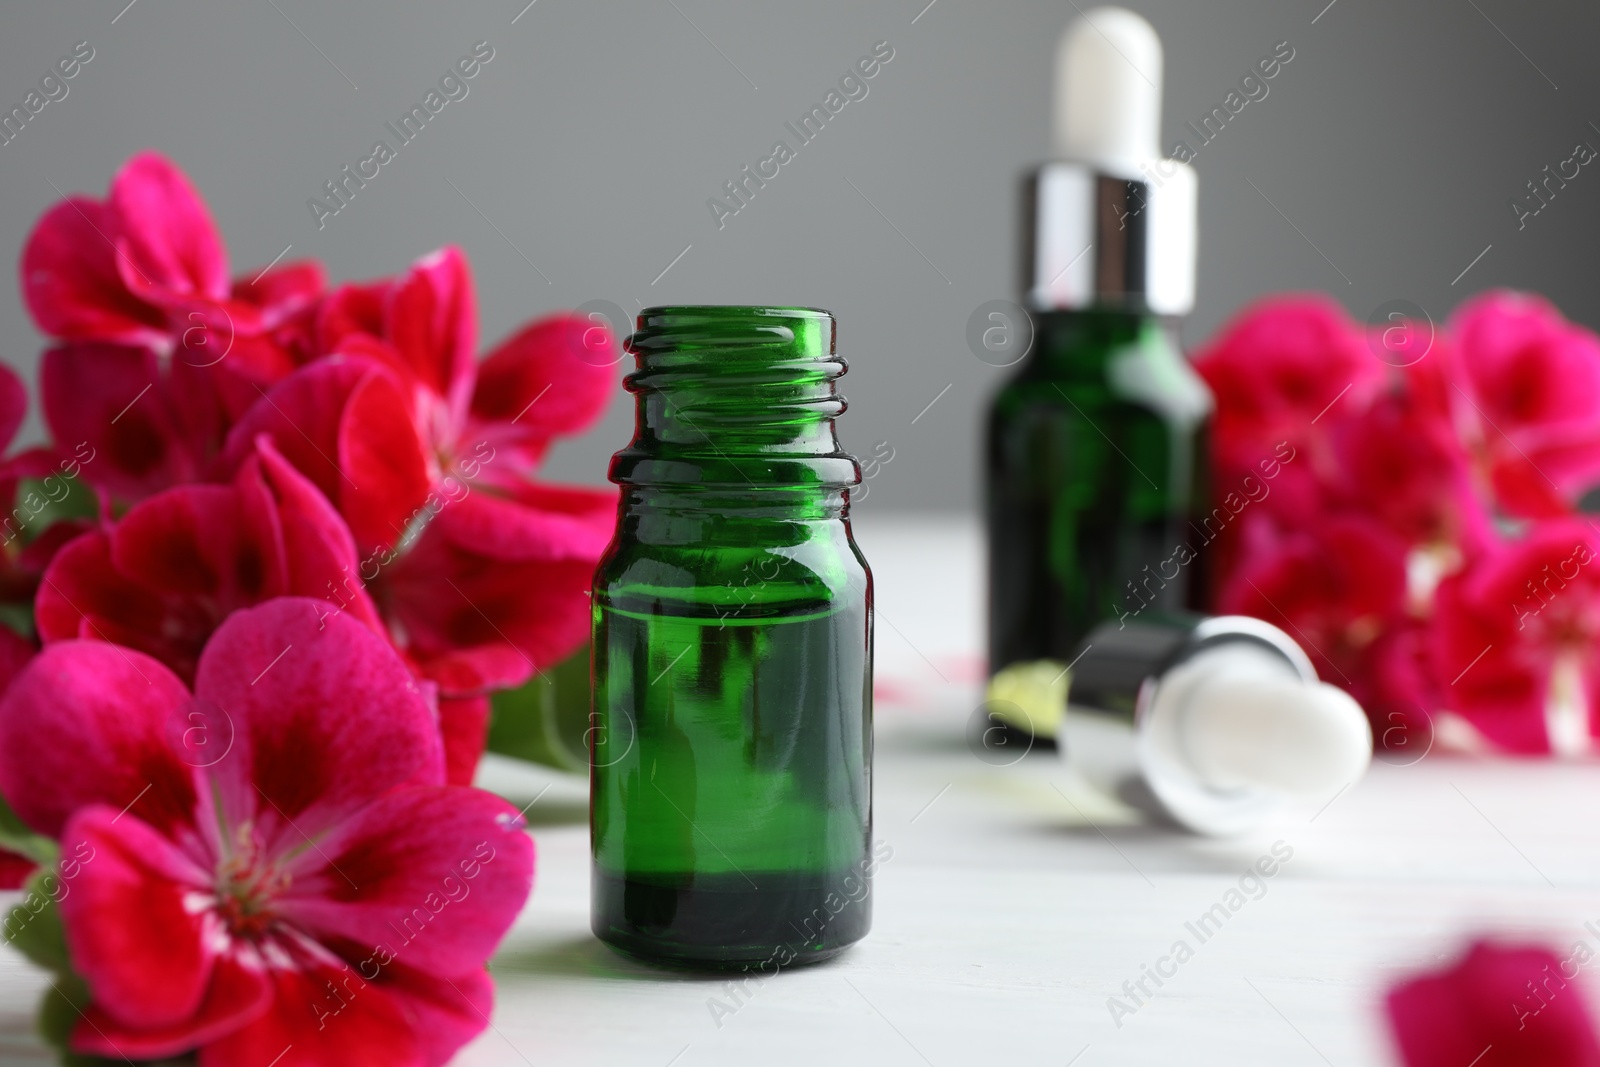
{"x":16,"y":837}
{"x":547,"y":720}
{"x":59,"y":1011}
{"x":43,"y":501}
{"x":18,"y":614}
{"x":33,"y":927}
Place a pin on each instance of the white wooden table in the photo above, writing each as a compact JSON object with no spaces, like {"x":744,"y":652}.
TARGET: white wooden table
{"x":1012,"y":910}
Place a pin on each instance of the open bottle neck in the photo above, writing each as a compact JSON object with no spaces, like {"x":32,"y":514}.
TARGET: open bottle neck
{"x":733,"y":400}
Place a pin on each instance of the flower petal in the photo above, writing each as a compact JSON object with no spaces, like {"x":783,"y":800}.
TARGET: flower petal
{"x":199,"y":541}
{"x":83,"y":591}
{"x":541,"y":522}
{"x":493,"y":590}
{"x":325,"y":718}
{"x":384,"y":460}
{"x":86,"y":722}
{"x":1402,"y":463}
{"x":309,"y":1024}
{"x":1524,"y":363}
{"x":14,"y":870}
{"x":1529,"y":398}
{"x":1335,"y":586}
{"x":464,"y":726}
{"x":162,"y":578}
{"x":16,"y":652}
{"x":346,"y":425}
{"x":13,"y":404}
{"x":1278,"y":368}
{"x":173,"y":249}
{"x":446,"y":1012}
{"x":432,"y":322}
{"x":326,"y":1014}
{"x":283,"y":291}
{"x":320,"y":552}
{"x":555,"y":376}
{"x":71,"y":283}
{"x":302,"y":415}
{"x":1505,"y":623}
{"x":1495,"y":1007}
{"x":436,"y":874}
{"x":353,"y":310}
{"x":113,"y":399}
{"x":131,"y":936}
{"x":236,"y":994}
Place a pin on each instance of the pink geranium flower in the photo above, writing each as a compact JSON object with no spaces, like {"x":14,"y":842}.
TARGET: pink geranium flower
{"x":163,"y":577}
{"x":1399,"y":689}
{"x":1526,"y":385}
{"x":138,"y":266}
{"x":1286,"y":370}
{"x":424,"y":327}
{"x":1400,"y":461}
{"x":1284,"y":373}
{"x":404,"y":410}
{"x":479,"y":571}
{"x":1497,"y":1006}
{"x":137,"y":285}
{"x":312,"y":894}
{"x":1519,"y":632}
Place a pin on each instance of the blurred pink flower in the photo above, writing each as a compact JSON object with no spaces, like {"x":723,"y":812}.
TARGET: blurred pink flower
{"x":1526,"y":385}
{"x":1518,"y":631}
{"x":1283,"y":373}
{"x":1400,"y":461}
{"x":1399,"y":689}
{"x":1497,"y":1006}
{"x":199,"y":917}
{"x":1285,"y":369}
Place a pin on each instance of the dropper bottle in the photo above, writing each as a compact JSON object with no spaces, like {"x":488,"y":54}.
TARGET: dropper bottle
{"x":1095,"y":453}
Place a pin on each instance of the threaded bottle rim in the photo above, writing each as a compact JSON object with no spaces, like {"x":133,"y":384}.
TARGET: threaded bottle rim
{"x":735,"y":394}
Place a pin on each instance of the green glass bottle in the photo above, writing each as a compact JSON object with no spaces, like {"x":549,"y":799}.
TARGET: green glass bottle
{"x":1095,"y":446}
{"x":1093,"y":467}
{"x":731,"y":742}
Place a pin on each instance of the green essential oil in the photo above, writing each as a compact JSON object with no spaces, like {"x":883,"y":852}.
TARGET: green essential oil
{"x":1094,"y":471}
{"x":731,"y":740}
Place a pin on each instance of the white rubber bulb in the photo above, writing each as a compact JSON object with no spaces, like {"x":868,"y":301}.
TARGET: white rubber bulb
{"x":1242,"y":728}
{"x":1108,"y":90}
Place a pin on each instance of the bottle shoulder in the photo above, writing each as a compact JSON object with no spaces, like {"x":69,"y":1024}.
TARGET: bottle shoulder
{"x":819,"y":569}
{"x":1147,"y":373}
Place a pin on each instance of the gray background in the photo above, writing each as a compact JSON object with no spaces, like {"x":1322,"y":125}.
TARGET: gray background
{"x":593,"y":139}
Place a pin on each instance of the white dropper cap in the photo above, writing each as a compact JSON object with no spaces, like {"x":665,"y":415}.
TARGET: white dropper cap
{"x":1108,"y":91}
{"x":1248,"y":725}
